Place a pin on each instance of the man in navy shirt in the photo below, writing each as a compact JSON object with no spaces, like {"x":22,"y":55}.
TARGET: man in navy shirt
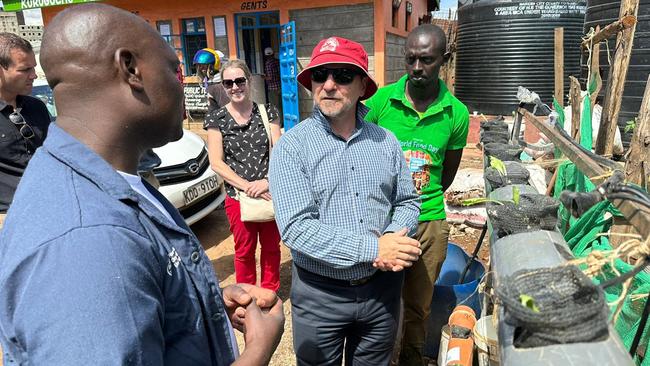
{"x":23,"y":120}
{"x":102,"y":270}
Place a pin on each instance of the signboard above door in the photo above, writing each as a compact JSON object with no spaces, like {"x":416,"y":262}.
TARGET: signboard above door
{"x":18,"y":5}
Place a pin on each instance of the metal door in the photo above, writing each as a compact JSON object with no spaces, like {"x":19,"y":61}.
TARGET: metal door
{"x":288,"y":72}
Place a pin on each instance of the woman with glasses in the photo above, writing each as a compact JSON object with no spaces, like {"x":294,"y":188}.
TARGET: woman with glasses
{"x":239,"y":151}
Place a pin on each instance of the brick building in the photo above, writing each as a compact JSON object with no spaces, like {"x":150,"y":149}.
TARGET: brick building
{"x":10,"y":21}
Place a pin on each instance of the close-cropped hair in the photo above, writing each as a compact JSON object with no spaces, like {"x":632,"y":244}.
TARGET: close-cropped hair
{"x":8,"y":42}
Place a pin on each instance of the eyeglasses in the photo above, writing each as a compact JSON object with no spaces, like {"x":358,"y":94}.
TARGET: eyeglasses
{"x":341,"y":76}
{"x":26,"y":130}
{"x":228,"y":83}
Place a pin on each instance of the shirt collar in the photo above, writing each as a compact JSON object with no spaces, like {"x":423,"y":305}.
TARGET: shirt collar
{"x":93,"y":167}
{"x":19,"y":102}
{"x":442,"y":101}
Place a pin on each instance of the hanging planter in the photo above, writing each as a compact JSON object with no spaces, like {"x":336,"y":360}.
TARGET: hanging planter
{"x":515,"y":173}
{"x":496,"y":136}
{"x":494,"y":131}
{"x":532,"y":212}
{"x":494,"y":125}
{"x":503,"y":152}
{"x":553,"y":306}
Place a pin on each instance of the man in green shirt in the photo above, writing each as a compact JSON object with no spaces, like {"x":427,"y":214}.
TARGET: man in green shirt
{"x":431,"y":125}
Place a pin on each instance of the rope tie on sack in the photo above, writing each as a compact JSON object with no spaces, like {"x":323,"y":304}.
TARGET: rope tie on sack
{"x":597,"y":260}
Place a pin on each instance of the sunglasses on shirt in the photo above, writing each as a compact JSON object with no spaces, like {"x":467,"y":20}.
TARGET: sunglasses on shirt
{"x":25,"y":130}
{"x":228,"y":83}
{"x":341,"y":76}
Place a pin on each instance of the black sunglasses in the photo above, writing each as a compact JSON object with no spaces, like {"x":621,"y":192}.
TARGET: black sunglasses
{"x":26,"y":130}
{"x":228,"y":83}
{"x":341,"y":76}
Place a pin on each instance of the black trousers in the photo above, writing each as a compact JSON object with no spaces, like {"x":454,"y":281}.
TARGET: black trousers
{"x":332,"y":318}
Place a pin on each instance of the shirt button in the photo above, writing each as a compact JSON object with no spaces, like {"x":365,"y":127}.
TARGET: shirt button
{"x":352,"y":168}
{"x":195,"y":257}
{"x":361,"y":221}
{"x":357,"y":194}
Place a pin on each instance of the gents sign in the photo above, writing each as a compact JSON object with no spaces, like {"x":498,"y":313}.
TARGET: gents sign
{"x":18,"y":5}
{"x":254,"y":5}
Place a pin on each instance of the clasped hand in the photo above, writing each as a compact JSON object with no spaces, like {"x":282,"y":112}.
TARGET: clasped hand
{"x":397,"y":251}
{"x":258,"y":188}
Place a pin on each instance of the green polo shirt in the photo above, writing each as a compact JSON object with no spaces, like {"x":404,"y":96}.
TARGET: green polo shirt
{"x":425,"y":137}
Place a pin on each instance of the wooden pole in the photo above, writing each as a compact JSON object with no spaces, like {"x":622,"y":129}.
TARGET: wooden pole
{"x":637,"y":166}
{"x":609,"y":30}
{"x":559,"y":65}
{"x":639,"y":158}
{"x":574,"y":98}
{"x":595,"y":70}
{"x":451,"y":73}
{"x":616,"y":82}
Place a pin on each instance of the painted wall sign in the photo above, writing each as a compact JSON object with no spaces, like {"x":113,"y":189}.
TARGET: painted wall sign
{"x":196,"y":98}
{"x":18,"y":5}
{"x":541,"y":9}
{"x":254,"y":5}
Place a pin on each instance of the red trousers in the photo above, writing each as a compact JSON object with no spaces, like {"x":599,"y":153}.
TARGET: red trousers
{"x":246,"y":235}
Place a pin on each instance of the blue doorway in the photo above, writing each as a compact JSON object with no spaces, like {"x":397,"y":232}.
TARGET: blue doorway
{"x":254,"y":33}
{"x":193,"y":39}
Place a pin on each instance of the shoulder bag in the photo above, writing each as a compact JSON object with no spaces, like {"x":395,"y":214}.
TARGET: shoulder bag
{"x":257,"y":209}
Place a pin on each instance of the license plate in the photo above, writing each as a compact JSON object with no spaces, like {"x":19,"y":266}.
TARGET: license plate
{"x":200,"y":189}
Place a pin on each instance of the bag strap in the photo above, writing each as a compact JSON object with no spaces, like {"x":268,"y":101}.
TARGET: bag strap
{"x":267,"y":124}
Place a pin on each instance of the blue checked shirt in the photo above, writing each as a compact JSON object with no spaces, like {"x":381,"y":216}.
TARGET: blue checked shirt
{"x":334,"y":198}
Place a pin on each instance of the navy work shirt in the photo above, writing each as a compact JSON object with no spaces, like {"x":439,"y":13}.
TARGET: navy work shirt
{"x":92,"y":273}
{"x":15,"y":150}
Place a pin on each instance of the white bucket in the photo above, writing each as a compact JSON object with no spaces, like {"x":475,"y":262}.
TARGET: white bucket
{"x":444,"y":342}
{"x":486,"y":340}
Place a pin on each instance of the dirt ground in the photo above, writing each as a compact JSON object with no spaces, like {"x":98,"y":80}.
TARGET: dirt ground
{"x":214,"y":235}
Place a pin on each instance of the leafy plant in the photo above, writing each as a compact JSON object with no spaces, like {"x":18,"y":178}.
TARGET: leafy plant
{"x":478,"y":201}
{"x":630,"y":125}
{"x":498,"y":165}
{"x":528,"y":302}
{"x":515,"y":195}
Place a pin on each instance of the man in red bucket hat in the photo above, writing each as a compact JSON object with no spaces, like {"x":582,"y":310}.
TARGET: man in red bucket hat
{"x":345,"y":205}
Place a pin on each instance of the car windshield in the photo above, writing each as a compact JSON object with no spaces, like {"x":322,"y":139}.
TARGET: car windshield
{"x":44,"y":93}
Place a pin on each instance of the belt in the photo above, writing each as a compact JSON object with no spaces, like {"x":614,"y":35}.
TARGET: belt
{"x":343,"y":283}
{"x":362,"y":281}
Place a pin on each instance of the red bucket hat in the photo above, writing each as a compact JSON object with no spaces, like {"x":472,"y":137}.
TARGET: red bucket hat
{"x":337,"y":50}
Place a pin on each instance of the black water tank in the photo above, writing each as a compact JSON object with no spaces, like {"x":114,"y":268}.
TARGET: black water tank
{"x":504,"y":44}
{"x":603,"y":12}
